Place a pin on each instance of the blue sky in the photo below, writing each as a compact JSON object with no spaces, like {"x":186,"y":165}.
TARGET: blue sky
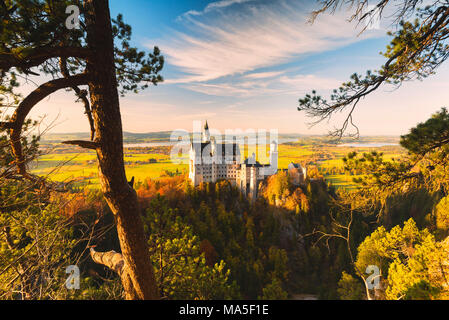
{"x":245,"y":63}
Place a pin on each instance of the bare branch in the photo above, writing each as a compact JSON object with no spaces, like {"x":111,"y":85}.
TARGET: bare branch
{"x":82,"y":95}
{"x":110,"y":259}
{"x":407,"y":60}
{"x":83,"y":144}
{"x":28,"y":103}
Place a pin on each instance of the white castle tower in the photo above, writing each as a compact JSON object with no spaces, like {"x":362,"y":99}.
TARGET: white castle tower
{"x":272,"y":168}
{"x":274,"y":154}
{"x":206,"y":133}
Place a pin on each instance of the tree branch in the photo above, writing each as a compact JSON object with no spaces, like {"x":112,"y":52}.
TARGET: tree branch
{"x":406,"y":60}
{"x":25,"y":61}
{"x":83,"y":144}
{"x":6,"y":125}
{"x":28,"y":103}
{"x":82,"y":95}
{"x":110,"y":259}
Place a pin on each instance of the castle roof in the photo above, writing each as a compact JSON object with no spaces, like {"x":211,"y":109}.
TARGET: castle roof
{"x":256,"y":164}
{"x":225,"y":149}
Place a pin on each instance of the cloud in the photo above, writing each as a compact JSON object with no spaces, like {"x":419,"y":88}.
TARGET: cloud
{"x":258,"y":35}
{"x":275,"y":86}
{"x":263,"y":75}
{"x":305,"y":83}
{"x":213,"y":6}
{"x":222,"y":89}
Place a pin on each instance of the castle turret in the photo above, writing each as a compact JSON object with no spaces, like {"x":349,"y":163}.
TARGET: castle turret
{"x":206,"y":133}
{"x":273,"y":168}
{"x":273,"y":147}
{"x":253,"y":184}
{"x":193,"y":162}
{"x":213,"y":147}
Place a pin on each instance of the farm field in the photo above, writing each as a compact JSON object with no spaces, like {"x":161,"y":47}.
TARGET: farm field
{"x":81,"y":168}
{"x":77,"y":165}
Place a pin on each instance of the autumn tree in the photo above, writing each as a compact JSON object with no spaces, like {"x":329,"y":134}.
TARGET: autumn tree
{"x":35,"y":245}
{"x":34,"y":239}
{"x":349,"y":288}
{"x":274,"y":291}
{"x":442,"y":214}
{"x":411,"y":263}
{"x":94,"y":59}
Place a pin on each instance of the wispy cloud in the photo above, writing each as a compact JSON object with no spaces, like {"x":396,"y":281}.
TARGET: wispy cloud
{"x":275,"y":86}
{"x":263,"y":75}
{"x":305,"y":83}
{"x":226,"y":89}
{"x":259,"y":35}
{"x":214,"y":6}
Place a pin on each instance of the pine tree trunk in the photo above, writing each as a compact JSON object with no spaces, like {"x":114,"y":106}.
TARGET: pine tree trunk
{"x":138,"y":279}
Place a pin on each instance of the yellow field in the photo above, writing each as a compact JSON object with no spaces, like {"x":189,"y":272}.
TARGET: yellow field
{"x":81,"y":167}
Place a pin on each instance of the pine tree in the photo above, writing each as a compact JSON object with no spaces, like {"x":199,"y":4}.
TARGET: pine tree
{"x":93,"y":61}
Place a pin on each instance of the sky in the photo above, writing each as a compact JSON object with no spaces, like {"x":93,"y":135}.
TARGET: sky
{"x":243,"y":64}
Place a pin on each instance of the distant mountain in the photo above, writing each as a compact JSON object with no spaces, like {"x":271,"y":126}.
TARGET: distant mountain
{"x":164,"y":136}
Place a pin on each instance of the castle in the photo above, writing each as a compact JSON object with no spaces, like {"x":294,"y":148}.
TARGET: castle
{"x":210,"y":162}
